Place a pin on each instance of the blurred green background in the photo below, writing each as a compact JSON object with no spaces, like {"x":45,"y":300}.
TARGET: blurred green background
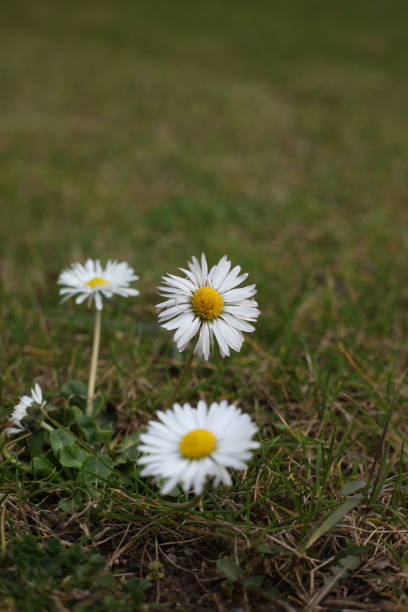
{"x":274,"y":132}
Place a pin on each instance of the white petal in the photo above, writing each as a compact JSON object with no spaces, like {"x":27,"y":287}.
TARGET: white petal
{"x":185,"y":319}
{"x":236,"y":322}
{"x":242,"y":293}
{"x":222,"y":341}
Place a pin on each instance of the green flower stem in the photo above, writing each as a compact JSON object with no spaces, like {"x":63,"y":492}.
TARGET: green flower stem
{"x":47,"y":427}
{"x":94,"y":363}
{"x":3,"y":541}
{"x":181,"y":379}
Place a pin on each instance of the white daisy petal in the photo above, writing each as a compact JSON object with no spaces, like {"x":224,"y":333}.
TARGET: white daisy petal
{"x":219,"y":272}
{"x":204,"y":268}
{"x":185,"y":335}
{"x":180,"y":283}
{"x":174,"y":311}
{"x":189,"y":445}
{"x":238,"y":294}
{"x":20,"y":410}
{"x":243,"y":312}
{"x":233,"y":279}
{"x":191,"y":276}
{"x":169,"y":485}
{"x":203,"y":344}
{"x":208,"y":305}
{"x":222,"y":341}
{"x":182,"y":320}
{"x":174,"y":301}
{"x":200,"y":272}
{"x":233,"y":336}
{"x":36,"y":393}
{"x":234,"y":321}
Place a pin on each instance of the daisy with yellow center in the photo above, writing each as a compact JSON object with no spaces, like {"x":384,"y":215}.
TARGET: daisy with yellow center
{"x":93,"y":282}
{"x":209,"y":305}
{"x":188,"y":445}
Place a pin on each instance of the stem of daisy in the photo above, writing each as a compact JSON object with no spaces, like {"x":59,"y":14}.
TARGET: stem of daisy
{"x":180,"y":381}
{"x":2,"y":529}
{"x":94,"y":363}
{"x":45,"y":426}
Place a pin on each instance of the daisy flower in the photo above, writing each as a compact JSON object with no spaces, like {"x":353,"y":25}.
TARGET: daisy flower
{"x":92,"y":281}
{"x":188,"y":445}
{"x":23,"y":409}
{"x":208,"y":304}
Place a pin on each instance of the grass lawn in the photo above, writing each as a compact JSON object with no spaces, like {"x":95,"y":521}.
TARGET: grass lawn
{"x":274,"y":132}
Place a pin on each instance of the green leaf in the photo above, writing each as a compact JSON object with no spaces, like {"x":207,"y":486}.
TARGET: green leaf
{"x":354,"y":550}
{"x":98,"y":405}
{"x":72,"y":456}
{"x":69,"y":415}
{"x":231,"y":571}
{"x":350,"y":562}
{"x":68,"y":505}
{"x":254,"y":582}
{"x":104,"y":434}
{"x":129,"y":449}
{"x":97,"y":468}
{"x":36,"y":442}
{"x":346,"y":564}
{"x":131,"y":440}
{"x":136,"y":586}
{"x":334,"y":518}
{"x":60,"y":438}
{"x":353,"y":486}
{"x":86,"y":426}
{"x":42,"y":466}
{"x":74,"y":387}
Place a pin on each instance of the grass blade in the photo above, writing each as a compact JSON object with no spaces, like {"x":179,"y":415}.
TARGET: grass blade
{"x":334,"y":518}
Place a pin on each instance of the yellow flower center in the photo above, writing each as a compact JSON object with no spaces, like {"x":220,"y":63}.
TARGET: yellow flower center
{"x":97,"y":282}
{"x":207,"y":303}
{"x":197,"y":444}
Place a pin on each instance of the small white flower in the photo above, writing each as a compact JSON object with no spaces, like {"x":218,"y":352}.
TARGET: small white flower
{"x":92,"y":281}
{"x":208,"y":304}
{"x":188,"y":445}
{"x":21,"y":409}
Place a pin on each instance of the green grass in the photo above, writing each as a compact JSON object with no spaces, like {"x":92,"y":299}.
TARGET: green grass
{"x":274,"y":133}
